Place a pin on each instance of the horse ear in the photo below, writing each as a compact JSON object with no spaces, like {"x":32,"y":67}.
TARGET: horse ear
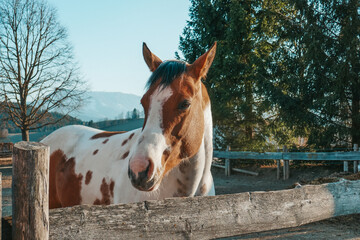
{"x":151,"y":59}
{"x":201,"y":65}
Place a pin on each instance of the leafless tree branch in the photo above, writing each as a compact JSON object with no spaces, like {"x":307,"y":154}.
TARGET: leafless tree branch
{"x":37,"y":70}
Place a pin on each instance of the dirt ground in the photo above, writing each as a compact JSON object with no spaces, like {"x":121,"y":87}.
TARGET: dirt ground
{"x":347,"y":227}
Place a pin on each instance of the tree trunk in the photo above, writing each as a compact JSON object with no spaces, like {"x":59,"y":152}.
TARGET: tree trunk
{"x":25,"y":134}
{"x":352,"y":33}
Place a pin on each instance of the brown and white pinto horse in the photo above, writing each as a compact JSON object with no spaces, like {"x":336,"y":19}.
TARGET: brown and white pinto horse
{"x":169,"y":157}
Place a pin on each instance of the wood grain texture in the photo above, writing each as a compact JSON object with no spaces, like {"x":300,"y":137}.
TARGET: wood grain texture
{"x":207,"y":217}
{"x":0,"y":202}
{"x":30,"y":187}
{"x":297,"y":156}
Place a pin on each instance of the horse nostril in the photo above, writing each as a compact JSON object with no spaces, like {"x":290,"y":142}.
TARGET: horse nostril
{"x":150,"y":168}
{"x":141,"y":173}
{"x":141,"y":167}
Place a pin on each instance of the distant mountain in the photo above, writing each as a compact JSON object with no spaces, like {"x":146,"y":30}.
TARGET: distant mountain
{"x":108,"y":105}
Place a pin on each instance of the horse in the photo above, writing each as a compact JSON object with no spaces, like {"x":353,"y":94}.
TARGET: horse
{"x":170,"y":156}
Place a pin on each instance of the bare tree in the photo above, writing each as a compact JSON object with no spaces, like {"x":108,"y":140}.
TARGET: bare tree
{"x":37,"y":70}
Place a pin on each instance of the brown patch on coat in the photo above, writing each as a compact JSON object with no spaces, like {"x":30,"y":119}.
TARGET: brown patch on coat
{"x":125,"y":155}
{"x":183,"y":130}
{"x":184,"y":166}
{"x":181,"y":191}
{"x":106,"y":190}
{"x":88,"y":177}
{"x":105,"y":141}
{"x":96,"y":151}
{"x":141,"y":139}
{"x":203,"y":189}
{"x":112,"y":185}
{"x":124,"y":142}
{"x":106,"y":134}
{"x":131,"y":136}
{"x":165,"y":156}
{"x":55,"y":159}
{"x":65,"y":184}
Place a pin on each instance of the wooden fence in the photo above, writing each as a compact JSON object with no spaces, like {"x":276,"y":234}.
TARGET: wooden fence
{"x":173,"y":218}
{"x":286,"y":157}
{"x":6,"y":149}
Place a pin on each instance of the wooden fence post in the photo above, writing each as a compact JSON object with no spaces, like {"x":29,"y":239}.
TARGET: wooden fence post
{"x":356,"y":163}
{"x":30,"y":191}
{"x":346,"y":166}
{"x":286,"y":165}
{"x":0,"y":204}
{"x":278,"y":166}
{"x":227,"y":163}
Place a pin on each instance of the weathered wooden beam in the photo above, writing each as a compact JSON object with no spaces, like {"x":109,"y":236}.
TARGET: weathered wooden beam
{"x":218,"y":165}
{"x":278,"y":166}
{"x":227,"y":164}
{"x":0,"y":203}
{"x":296,"y":156}
{"x":245,"y":171}
{"x":286,"y":164}
{"x":321,"y":156}
{"x":346,"y":166}
{"x":248,"y":155}
{"x":207,"y":217}
{"x":30,"y":189}
{"x":236,"y":170}
{"x":356,"y":163}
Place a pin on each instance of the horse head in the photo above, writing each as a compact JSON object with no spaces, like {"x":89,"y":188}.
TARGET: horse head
{"x":173,"y":128}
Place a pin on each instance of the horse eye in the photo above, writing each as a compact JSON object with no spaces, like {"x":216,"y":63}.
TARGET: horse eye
{"x":184,"y":105}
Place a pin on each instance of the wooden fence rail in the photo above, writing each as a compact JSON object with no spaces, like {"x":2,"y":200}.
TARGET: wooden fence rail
{"x":207,"y":217}
{"x":285,"y":157}
{"x":6,"y":149}
{"x":295,"y":156}
{"x":173,"y":218}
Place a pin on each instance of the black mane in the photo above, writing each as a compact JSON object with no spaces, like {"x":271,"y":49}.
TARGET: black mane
{"x":167,"y":71}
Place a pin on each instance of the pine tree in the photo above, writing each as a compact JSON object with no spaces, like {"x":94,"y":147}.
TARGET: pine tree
{"x":315,"y":80}
{"x":240,"y":110}
{"x":283,"y":69}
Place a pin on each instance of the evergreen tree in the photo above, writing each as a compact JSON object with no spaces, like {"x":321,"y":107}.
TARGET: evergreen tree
{"x":315,"y":81}
{"x":241,"y":113}
{"x":283,"y":69}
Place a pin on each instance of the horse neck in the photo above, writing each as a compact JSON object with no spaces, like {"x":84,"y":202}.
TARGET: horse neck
{"x":193,"y":176}
{"x":206,"y":183}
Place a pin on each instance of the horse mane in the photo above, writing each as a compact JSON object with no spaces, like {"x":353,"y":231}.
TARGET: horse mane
{"x":167,"y":71}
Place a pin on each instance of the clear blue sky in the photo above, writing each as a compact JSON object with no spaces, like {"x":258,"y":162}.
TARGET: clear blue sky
{"x":107,"y":37}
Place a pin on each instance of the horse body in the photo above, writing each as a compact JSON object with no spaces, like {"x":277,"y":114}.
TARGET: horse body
{"x":169,"y":157}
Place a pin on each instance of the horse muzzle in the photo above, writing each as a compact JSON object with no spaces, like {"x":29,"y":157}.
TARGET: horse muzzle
{"x":141,"y":174}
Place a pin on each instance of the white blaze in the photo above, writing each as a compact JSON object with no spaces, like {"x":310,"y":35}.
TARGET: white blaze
{"x":152,"y":141}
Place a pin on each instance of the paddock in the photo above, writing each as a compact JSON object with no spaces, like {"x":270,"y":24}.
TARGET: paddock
{"x":207,"y":217}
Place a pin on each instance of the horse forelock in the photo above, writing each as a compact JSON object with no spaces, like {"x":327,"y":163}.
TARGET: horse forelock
{"x":167,"y":72}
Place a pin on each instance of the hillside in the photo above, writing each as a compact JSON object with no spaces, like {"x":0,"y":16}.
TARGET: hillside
{"x":53,"y":116}
{"x":119,"y":125}
{"x":107,"y":105}
{"x":111,"y":125}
